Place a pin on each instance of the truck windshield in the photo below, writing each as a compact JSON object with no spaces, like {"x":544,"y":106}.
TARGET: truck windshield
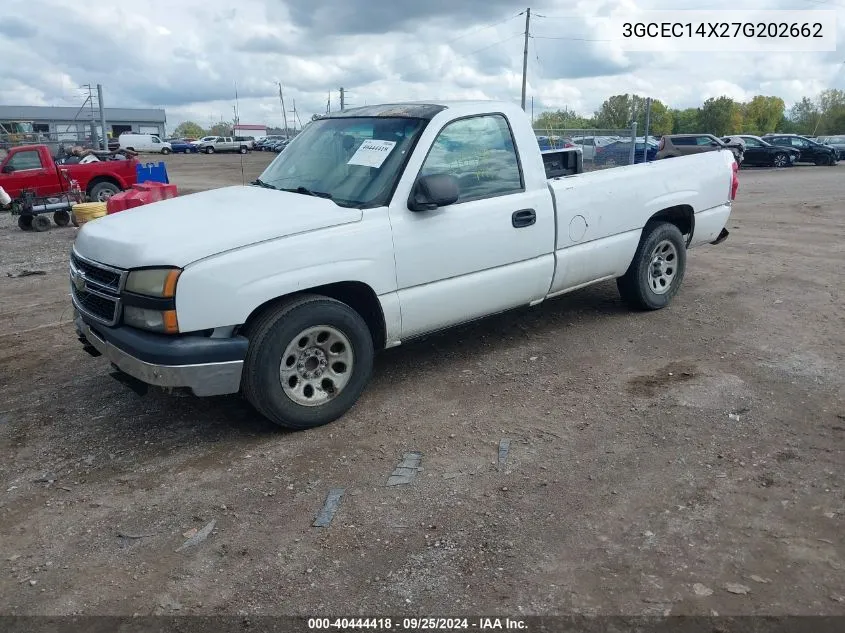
{"x":354,"y":161}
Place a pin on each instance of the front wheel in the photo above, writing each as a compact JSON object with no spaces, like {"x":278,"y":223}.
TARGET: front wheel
{"x":25,"y":222}
{"x":657,"y":271}
{"x":308,"y":361}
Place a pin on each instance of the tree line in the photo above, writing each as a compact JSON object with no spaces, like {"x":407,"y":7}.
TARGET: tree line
{"x":824,"y":115}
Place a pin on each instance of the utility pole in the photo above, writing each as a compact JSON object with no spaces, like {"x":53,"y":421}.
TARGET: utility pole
{"x":295,"y":115}
{"x":525,"y":55}
{"x":329,"y":103}
{"x":105,"y":136}
{"x":284,"y":112}
{"x":647,"y":123}
{"x":342,"y":100}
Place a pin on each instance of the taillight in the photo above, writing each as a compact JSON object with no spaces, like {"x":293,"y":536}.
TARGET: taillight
{"x":734,"y":181}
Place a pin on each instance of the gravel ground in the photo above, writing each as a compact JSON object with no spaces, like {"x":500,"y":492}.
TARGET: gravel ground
{"x":687,"y":461}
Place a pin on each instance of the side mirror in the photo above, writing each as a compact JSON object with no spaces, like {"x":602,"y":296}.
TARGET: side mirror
{"x":715,"y":144}
{"x":431,"y":192}
{"x":8,"y":169}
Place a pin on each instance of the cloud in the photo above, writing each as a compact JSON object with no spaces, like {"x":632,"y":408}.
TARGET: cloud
{"x":186,"y":56}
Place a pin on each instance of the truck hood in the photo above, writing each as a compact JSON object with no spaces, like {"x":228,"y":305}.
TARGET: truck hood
{"x":185,"y":229}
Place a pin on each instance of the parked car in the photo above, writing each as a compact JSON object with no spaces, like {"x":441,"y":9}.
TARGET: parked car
{"x":239,"y":309}
{"x":249,"y":141}
{"x":759,"y":153}
{"x":268,"y":141}
{"x":278,"y":146}
{"x":144,"y":143}
{"x":223,"y":144}
{"x":204,"y":139}
{"x":673,"y":145}
{"x":182,"y":146}
{"x":619,"y":153}
{"x":554,"y":142}
{"x":590,"y":144}
{"x":31,"y":167}
{"x":809,"y":151}
{"x":837,"y":143}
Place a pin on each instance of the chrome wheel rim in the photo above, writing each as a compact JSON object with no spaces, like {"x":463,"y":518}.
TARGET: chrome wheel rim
{"x":663,"y":267}
{"x":316,"y":366}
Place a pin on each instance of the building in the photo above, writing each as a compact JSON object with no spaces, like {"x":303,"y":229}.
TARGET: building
{"x":71,"y":124}
{"x":255,"y":131}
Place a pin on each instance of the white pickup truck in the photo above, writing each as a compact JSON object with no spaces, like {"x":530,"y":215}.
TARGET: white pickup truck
{"x":376,"y":225}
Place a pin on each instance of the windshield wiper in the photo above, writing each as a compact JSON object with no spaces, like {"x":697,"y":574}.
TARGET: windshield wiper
{"x":308,"y":192}
{"x":261,"y":183}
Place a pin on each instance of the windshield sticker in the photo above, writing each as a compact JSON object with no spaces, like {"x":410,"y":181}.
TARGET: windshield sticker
{"x":372,"y":153}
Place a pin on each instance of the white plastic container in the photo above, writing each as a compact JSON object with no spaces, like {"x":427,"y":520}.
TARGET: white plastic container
{"x":5,"y":198}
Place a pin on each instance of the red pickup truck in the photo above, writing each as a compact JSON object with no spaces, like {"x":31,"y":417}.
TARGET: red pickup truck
{"x":32,"y":167}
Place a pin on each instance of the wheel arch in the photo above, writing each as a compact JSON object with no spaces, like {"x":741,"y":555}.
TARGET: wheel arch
{"x":356,"y":294}
{"x":101,"y":179}
{"x":681,"y":215}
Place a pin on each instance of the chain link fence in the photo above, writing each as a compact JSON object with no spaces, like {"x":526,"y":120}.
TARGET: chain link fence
{"x":601,"y":149}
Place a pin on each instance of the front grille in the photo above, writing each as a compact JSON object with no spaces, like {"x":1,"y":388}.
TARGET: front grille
{"x":96,"y":289}
{"x":107,"y":278}
{"x":96,"y":306}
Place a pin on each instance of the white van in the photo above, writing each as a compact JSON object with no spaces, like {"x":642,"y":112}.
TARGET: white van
{"x":144,"y":143}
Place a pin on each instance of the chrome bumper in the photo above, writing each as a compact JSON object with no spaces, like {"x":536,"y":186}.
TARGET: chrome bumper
{"x":208,"y":379}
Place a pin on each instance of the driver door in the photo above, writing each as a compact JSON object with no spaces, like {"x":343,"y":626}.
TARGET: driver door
{"x":491,"y":250}
{"x":28,"y":172}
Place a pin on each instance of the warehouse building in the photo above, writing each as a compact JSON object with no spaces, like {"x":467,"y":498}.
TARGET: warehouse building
{"x":69,"y":124}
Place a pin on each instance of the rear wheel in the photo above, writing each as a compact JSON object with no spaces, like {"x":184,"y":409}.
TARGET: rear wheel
{"x":61,"y":218}
{"x":41,"y":223}
{"x":657,"y":271}
{"x":102,"y":191}
{"x":308,"y":361}
{"x":243,"y":150}
{"x":25,"y":222}
{"x":165,"y":151}
{"x":780,"y":160}
{"x":209,"y":150}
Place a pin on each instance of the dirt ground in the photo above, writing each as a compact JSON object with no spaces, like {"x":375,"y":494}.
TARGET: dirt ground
{"x":686,"y":461}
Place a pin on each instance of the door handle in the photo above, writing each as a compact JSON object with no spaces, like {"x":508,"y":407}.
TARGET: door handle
{"x":523,"y":218}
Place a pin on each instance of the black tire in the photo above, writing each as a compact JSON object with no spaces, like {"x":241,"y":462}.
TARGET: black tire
{"x":102,"y":191}
{"x":209,"y":150}
{"x":165,"y":151}
{"x":40,"y":223}
{"x":635,"y":286}
{"x":25,"y":222}
{"x":269,"y":337}
{"x":73,"y":219}
{"x":61,"y":218}
{"x":243,"y":150}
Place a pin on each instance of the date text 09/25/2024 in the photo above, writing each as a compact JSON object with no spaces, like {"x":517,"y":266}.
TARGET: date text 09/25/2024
{"x":417,"y":624}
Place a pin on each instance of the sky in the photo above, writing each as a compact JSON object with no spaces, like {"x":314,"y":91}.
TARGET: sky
{"x":188,"y":56}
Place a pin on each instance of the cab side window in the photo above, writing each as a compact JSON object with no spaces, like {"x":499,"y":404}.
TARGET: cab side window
{"x":479,"y":152}
{"x":25,"y":160}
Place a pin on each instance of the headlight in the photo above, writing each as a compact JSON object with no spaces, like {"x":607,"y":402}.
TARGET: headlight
{"x":153,"y":282}
{"x":163,"y":321}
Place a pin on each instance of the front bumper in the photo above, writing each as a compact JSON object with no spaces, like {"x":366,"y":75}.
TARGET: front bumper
{"x":214,"y":365}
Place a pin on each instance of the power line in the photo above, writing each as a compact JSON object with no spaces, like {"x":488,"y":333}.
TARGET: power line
{"x":483,"y":48}
{"x":571,"y":39}
{"x":455,"y":39}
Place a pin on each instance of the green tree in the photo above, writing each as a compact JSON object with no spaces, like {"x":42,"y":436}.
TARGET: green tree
{"x":831,"y":104}
{"x":223,"y":128}
{"x":803,"y":116}
{"x":189,"y":129}
{"x":763,"y":114}
{"x":561,"y":119}
{"x":660,"y":122}
{"x":685,"y":121}
{"x":720,"y":116}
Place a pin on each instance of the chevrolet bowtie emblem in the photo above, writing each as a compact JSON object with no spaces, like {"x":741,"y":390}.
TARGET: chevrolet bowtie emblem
{"x":79,"y":281}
